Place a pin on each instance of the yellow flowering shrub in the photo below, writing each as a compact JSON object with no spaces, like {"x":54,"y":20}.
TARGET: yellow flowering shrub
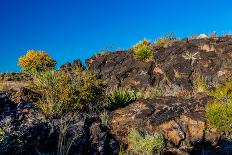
{"x":36,"y":61}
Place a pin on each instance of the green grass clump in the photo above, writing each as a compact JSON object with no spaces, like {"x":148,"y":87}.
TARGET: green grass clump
{"x":121,"y":97}
{"x":219,"y":116}
{"x":143,"y":51}
{"x":62,"y":92}
{"x":150,"y":93}
{"x":165,"y":41}
{"x":223,"y":93}
{"x":146,"y":144}
{"x":219,"y":113}
{"x":2,"y":133}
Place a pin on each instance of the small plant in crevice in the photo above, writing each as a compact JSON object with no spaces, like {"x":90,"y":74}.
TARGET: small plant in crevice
{"x":104,"y":118}
{"x":150,"y":93}
{"x":199,"y":83}
{"x":120,"y":97}
{"x":145,"y":143}
{"x":166,"y":41}
{"x":143,"y":51}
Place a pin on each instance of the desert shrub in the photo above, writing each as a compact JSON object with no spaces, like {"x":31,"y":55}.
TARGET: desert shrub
{"x":150,"y":93}
{"x":145,"y":144}
{"x":121,"y":97}
{"x":104,"y":118}
{"x":62,"y":92}
{"x":36,"y":61}
{"x":219,"y":116}
{"x":165,"y":41}
{"x":223,"y":93}
{"x":219,"y":112}
{"x":199,"y":83}
{"x":143,"y":51}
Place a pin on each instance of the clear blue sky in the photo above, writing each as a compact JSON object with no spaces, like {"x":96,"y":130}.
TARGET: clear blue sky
{"x":71,"y":29}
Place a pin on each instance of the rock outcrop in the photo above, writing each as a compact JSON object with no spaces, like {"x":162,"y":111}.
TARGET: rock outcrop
{"x":173,"y":69}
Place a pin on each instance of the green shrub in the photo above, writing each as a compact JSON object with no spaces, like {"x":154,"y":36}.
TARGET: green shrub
{"x":165,"y":41}
{"x":223,"y":93}
{"x":219,"y":116}
{"x":219,"y":113}
{"x":143,"y":51}
{"x":121,"y":97}
{"x":62,"y":92}
{"x":146,"y":144}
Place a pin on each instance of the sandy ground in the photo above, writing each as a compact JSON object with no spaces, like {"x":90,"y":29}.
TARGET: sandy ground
{"x":7,"y":85}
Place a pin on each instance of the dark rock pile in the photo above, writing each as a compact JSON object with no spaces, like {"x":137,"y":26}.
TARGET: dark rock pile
{"x":27,"y":131}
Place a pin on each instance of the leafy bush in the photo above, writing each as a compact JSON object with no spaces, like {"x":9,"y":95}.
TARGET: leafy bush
{"x":165,"y":41}
{"x":219,"y":113}
{"x":143,"y":51}
{"x":62,"y":92}
{"x":146,"y":144}
{"x":121,"y":97}
{"x":36,"y":61}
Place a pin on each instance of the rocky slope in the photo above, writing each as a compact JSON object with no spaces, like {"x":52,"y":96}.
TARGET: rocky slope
{"x":179,"y":113}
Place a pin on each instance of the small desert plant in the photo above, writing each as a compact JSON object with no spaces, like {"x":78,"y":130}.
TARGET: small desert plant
{"x":62,"y":91}
{"x":143,"y":51}
{"x":64,"y":143}
{"x":165,"y":41}
{"x":36,"y":61}
{"x":121,"y":97}
{"x":199,"y":83}
{"x":145,"y":144}
{"x":223,"y":93}
{"x":104,"y":118}
{"x":2,"y":134}
{"x":150,"y":93}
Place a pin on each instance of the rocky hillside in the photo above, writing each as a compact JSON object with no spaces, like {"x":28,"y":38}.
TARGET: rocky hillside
{"x":174,"y":89}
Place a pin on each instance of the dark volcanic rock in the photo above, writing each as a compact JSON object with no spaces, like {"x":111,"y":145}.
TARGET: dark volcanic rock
{"x":27,"y":130}
{"x":173,"y":69}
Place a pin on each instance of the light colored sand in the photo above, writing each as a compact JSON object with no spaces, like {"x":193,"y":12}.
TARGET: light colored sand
{"x":7,"y":85}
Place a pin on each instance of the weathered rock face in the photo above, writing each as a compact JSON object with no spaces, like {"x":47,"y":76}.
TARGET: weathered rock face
{"x":165,"y":113}
{"x":173,"y":69}
{"x":181,"y":122}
